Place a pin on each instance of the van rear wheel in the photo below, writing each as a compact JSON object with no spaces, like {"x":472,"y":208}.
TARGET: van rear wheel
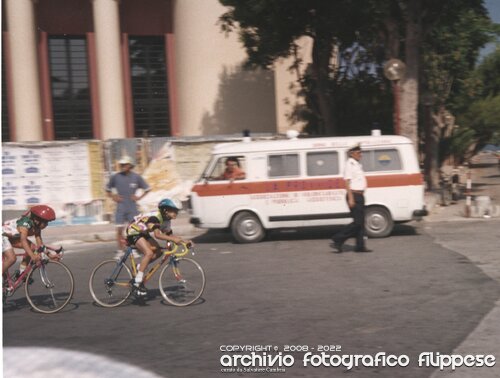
{"x":378,"y":222}
{"x":246,"y":228}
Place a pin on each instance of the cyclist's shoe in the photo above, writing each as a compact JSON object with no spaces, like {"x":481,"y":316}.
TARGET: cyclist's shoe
{"x":16,"y":275}
{"x":30,"y":281}
{"x":139,"y":289}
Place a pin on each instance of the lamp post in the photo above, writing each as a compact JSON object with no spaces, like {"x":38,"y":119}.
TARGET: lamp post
{"x":394,"y":70}
{"x":431,"y":147}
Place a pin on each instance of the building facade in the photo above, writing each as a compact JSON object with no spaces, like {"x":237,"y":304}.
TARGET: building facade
{"x":104,"y":69}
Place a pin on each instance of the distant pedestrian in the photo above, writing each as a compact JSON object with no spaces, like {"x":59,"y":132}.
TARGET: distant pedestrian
{"x":122,"y":188}
{"x":355,"y":182}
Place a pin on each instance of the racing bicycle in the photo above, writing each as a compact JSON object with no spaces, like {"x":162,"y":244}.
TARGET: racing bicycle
{"x":181,"y":281}
{"x":48,"y":284}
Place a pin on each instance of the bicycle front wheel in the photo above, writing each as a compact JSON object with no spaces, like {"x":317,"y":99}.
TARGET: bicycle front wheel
{"x":109,"y":283}
{"x":49,"y":287}
{"x":182,"y":282}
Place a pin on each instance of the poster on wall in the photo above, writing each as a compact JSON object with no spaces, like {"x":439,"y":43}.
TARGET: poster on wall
{"x":48,"y":174}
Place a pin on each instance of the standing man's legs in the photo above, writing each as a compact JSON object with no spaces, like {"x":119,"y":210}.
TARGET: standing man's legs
{"x":358,"y":214}
{"x":356,"y":229}
{"x":124,"y":215}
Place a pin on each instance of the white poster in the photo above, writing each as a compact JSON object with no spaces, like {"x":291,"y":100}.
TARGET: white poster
{"x":53,"y":175}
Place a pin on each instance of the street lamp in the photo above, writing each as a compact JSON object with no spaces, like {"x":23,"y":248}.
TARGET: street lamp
{"x":394,"y":70}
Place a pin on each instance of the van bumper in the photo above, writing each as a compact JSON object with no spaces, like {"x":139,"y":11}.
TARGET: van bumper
{"x":195,"y":221}
{"x":418,"y":214}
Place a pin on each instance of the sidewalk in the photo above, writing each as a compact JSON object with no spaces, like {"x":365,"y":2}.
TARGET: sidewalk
{"x":485,"y":182}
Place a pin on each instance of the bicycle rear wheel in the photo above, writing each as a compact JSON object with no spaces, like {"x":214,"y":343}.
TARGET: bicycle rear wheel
{"x":49,"y":287}
{"x":109,"y":283}
{"x":182,"y":282}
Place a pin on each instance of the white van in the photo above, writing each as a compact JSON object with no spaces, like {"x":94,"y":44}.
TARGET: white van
{"x":293,"y":183}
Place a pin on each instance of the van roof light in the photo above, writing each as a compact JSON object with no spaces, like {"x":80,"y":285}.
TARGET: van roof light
{"x":292,"y":134}
{"x":376,"y":132}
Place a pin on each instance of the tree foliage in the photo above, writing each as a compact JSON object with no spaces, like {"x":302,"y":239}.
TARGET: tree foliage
{"x":439,"y":40}
{"x":480,"y":117}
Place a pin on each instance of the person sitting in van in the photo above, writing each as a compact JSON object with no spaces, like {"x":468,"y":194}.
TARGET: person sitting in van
{"x":233,"y":170}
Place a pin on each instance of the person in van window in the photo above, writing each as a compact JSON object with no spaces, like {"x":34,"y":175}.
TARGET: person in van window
{"x":355,"y":182}
{"x":122,"y":188}
{"x":233,"y":170}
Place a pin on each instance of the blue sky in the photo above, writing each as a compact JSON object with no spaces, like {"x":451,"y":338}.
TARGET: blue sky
{"x":493,"y":7}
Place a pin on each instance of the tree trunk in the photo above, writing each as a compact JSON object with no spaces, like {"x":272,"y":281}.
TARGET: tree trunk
{"x":321,"y":54}
{"x":409,"y":84}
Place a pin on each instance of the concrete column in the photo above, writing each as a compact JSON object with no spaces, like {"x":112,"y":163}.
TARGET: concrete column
{"x":24,"y":63}
{"x":109,"y":68}
{"x":202,"y":54}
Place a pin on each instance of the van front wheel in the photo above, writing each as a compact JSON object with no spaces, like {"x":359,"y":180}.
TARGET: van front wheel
{"x":378,"y":222}
{"x":246,"y":228}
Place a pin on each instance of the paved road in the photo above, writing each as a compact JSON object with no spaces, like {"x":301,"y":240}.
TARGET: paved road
{"x":413,"y":295}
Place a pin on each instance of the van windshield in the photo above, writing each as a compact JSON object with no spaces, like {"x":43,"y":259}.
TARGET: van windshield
{"x":226,"y":168}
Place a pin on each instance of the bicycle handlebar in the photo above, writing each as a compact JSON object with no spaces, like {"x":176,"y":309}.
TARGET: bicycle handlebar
{"x":173,"y":250}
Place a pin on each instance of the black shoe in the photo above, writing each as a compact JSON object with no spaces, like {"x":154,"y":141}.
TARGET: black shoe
{"x":139,"y":289}
{"x":16,"y":275}
{"x":337,"y":246}
{"x":364,"y":249}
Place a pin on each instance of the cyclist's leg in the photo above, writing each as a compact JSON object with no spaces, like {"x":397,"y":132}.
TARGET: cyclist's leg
{"x":26,"y":258}
{"x":142,"y":244}
{"x":8,"y":254}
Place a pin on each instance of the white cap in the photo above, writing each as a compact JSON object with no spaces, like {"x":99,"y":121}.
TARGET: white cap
{"x":126,"y":160}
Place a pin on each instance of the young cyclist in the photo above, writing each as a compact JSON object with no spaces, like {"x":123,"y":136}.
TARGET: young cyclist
{"x":15,"y":233}
{"x":139,"y":234}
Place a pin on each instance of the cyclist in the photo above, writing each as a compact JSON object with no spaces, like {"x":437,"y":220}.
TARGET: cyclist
{"x":15,"y":233}
{"x":139,"y":235}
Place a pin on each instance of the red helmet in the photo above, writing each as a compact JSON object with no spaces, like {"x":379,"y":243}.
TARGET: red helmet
{"x":43,"y":212}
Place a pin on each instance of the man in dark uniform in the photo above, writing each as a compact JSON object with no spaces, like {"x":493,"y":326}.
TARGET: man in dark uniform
{"x":355,"y":182}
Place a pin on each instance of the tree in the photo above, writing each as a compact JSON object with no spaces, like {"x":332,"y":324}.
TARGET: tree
{"x":479,"y":109}
{"x":453,"y":34}
{"x":270,"y":30}
{"x":438,"y":41}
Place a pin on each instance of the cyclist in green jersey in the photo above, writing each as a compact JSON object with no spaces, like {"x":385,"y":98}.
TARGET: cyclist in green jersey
{"x":15,"y":233}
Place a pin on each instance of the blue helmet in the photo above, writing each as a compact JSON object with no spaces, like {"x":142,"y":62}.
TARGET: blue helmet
{"x":167,"y":203}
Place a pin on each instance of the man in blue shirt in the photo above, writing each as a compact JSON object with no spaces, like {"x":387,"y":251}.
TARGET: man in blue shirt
{"x":122,"y":188}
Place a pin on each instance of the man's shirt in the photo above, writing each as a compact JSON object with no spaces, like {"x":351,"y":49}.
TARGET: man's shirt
{"x":354,"y":172}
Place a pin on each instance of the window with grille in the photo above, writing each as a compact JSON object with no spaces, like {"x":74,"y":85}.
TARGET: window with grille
{"x":149,"y":86}
{"x":5,"y":109}
{"x":70,"y":87}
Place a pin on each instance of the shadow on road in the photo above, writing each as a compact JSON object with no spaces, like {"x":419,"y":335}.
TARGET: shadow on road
{"x":306,"y":233}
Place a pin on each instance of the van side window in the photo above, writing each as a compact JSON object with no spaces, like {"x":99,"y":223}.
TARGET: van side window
{"x":322,"y":163}
{"x":381,"y":160}
{"x":283,"y":165}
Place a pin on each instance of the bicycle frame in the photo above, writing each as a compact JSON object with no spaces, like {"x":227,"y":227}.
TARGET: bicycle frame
{"x":12,"y":286}
{"x":170,"y":255}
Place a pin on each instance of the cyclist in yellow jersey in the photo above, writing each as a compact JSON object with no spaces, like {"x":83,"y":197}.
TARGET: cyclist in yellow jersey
{"x":139,"y":235}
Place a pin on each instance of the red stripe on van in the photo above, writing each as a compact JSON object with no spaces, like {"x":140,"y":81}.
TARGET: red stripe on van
{"x":237,"y":187}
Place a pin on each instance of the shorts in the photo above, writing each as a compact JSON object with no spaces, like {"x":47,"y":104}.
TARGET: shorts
{"x":6,"y":244}
{"x":132,"y":239}
{"x":125,"y":214}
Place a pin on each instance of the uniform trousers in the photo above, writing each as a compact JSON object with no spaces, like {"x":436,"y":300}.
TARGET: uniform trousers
{"x":356,"y":229}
